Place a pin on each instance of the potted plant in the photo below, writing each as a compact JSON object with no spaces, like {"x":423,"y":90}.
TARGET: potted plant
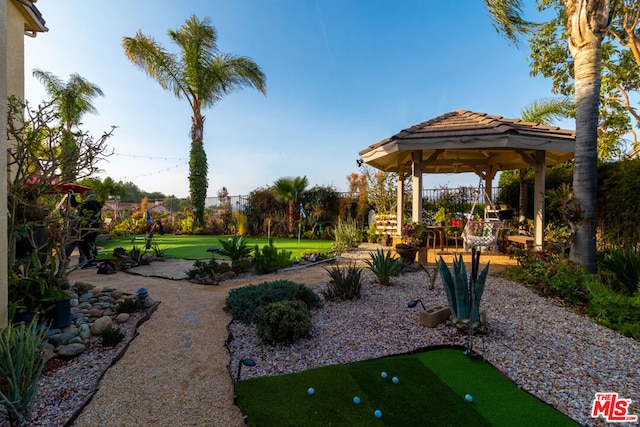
{"x":440,"y":217}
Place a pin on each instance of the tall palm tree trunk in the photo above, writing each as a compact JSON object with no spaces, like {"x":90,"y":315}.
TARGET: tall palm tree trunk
{"x":588,"y":21}
{"x":198,"y":168}
{"x":291,"y":218}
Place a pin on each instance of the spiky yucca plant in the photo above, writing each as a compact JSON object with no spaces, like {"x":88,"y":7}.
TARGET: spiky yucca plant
{"x":345,"y":283}
{"x":464,"y":295}
{"x":383,"y":266}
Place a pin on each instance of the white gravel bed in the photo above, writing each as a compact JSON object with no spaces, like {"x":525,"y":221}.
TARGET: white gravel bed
{"x":65,"y":390}
{"x":548,"y":350}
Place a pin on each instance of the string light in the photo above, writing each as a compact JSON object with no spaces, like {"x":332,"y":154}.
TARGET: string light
{"x":126,"y":178}
{"x":145,"y":156}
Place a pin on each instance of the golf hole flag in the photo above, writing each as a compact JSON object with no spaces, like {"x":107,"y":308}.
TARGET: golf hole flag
{"x":303,"y":214}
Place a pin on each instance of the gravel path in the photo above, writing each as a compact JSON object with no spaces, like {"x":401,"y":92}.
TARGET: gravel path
{"x":176,"y":372}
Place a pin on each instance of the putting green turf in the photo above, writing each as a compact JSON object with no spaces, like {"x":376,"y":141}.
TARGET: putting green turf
{"x":431,"y":391}
{"x":195,"y":247}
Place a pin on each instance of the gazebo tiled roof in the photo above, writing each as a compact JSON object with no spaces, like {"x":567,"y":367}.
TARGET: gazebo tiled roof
{"x":466,"y":141}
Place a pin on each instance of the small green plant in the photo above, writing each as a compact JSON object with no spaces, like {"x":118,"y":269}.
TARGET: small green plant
{"x":119,"y":252}
{"x":158,"y":251}
{"x":347,"y":237}
{"x":464,"y":295}
{"x":283,"y":322}
{"x":21,"y":366}
{"x":111,"y":337}
{"x":235,"y":248}
{"x":614,"y":310}
{"x":135,"y":254}
{"x":383,"y":266}
{"x":433,"y":275}
{"x":269,"y":259}
{"x":625,"y":266}
{"x":129,"y":305}
{"x":242,"y":302}
{"x":344,"y":284}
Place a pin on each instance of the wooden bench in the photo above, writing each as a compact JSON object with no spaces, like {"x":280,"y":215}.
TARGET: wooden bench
{"x":525,"y":241}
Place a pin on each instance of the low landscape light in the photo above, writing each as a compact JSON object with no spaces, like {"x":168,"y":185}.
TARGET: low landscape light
{"x":246,"y":362}
{"x":414,"y":303}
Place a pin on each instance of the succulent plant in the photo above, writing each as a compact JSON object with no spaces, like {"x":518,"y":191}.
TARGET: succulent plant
{"x":464,"y":293}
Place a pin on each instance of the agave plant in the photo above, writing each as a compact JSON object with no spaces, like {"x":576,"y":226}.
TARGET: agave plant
{"x":464,"y":295}
{"x":383,"y":266}
{"x":235,"y":248}
{"x":344,"y":284}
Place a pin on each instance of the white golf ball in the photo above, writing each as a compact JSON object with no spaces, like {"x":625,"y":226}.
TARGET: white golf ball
{"x":383,"y":374}
{"x":395,"y":380}
{"x":311,"y":391}
{"x":468,"y":398}
{"x":378,"y":413}
{"x":356,"y":400}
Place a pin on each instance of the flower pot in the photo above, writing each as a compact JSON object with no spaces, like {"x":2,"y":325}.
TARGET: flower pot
{"x":59,"y":313}
{"x":408,"y":255}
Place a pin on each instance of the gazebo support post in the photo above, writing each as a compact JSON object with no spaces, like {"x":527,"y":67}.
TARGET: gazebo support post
{"x":538,"y":200}
{"x":400,"y":203}
{"x":416,"y":177}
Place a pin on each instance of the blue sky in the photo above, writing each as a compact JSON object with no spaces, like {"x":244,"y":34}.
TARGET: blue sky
{"x":341,"y":75}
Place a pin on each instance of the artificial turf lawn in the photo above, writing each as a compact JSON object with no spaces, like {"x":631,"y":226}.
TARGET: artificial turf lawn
{"x":195,"y":247}
{"x":431,"y":391}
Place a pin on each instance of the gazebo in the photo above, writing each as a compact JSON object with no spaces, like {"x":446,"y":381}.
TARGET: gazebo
{"x":465,"y":141}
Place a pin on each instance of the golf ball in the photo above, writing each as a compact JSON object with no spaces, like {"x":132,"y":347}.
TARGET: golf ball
{"x":356,"y":400}
{"x":395,"y":380}
{"x":311,"y":391}
{"x":468,"y":398}
{"x":378,"y":413}
{"x":383,"y":374}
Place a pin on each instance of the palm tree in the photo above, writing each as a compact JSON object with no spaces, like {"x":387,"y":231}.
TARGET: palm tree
{"x":587,"y":23}
{"x":202,"y":75}
{"x":72,"y":100}
{"x":289,"y":191}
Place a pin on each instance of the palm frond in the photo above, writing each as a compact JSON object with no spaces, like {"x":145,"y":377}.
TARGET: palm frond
{"x":507,"y":18}
{"x":547,"y":110}
{"x":148,"y":55}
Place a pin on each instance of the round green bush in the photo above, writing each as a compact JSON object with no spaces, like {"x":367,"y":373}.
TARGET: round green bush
{"x":283,"y":322}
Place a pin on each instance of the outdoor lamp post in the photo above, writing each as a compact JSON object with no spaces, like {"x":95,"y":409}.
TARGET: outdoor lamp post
{"x":246,"y":362}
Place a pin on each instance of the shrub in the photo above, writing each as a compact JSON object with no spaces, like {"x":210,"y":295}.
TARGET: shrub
{"x":344,"y":284}
{"x":622,"y":271}
{"x":209,"y":272}
{"x":129,"y":305}
{"x":283,"y":322}
{"x":119,"y":252}
{"x":21,"y":366}
{"x":569,"y":280}
{"x":347,"y":236}
{"x":383,"y":266}
{"x":242,"y":302}
{"x":111,"y":337}
{"x":269,"y":259}
{"x":614,"y":310}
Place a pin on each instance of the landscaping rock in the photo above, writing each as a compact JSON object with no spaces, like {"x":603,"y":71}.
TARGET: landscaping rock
{"x":122,"y":317}
{"x":101,"y":324}
{"x":70,"y":350}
